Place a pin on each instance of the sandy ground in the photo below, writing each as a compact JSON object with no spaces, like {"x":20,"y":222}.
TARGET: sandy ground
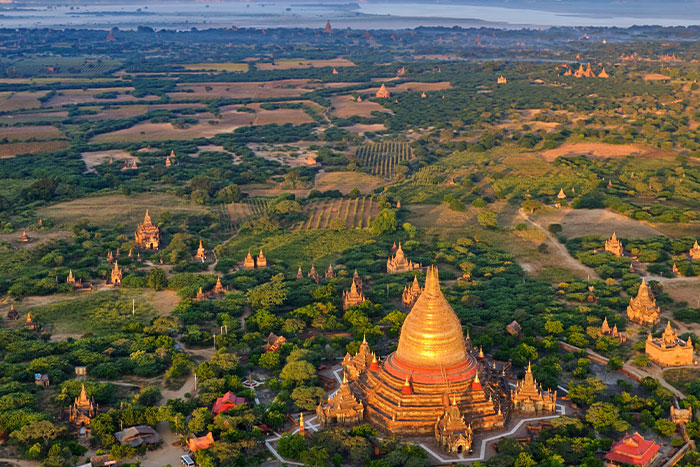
{"x":79,"y":96}
{"x":346,"y":106}
{"x":602,"y":150}
{"x":580,"y":222}
{"x":284,"y":154}
{"x":93,"y":159}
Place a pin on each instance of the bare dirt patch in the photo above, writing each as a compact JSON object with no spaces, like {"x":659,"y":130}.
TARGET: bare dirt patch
{"x":23,"y":133}
{"x":115,"y":209}
{"x":33,"y":147}
{"x":35,"y":237}
{"x":346,"y":181}
{"x":291,"y":63}
{"x":346,"y":106}
{"x":580,"y":222}
{"x":93,"y":159}
{"x":363,"y":128}
{"x":415,"y":86}
{"x":655,"y":77}
{"x":602,"y":150}
{"x":115,"y":113}
{"x":292,"y":155}
{"x":207,"y":127}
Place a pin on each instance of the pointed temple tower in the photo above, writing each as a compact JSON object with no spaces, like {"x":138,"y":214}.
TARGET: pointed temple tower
{"x":330,"y":274}
{"x":430,"y":375}
{"x":613,"y":245}
{"x":261,"y":261}
{"x":341,"y":408}
{"x":501,"y":80}
{"x":219,"y":287}
{"x":352,"y":297}
{"x":603,"y":74}
{"x":452,"y":433}
{"x":147,"y":235}
{"x":528,"y":398}
{"x":83,"y":410}
{"x":313,"y":274}
{"x":328,"y":29}
{"x":115,"y":277}
{"x":669,"y":350}
{"x":383,"y":93}
{"x":249,"y":262}
{"x":695,"y":251}
{"x":201,"y":254}
{"x":643,"y":308}
{"x":411,"y":294}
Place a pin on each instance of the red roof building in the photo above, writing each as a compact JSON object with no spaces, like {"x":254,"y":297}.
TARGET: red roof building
{"x":227,"y":402}
{"x":633,"y":450}
{"x":203,"y":442}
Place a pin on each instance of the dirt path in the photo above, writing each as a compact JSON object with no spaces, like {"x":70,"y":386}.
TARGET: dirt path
{"x":568,"y":261}
{"x":20,"y":462}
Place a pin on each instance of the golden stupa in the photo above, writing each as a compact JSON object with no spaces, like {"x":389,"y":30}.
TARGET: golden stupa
{"x":431,"y":336}
{"x":430,"y":372}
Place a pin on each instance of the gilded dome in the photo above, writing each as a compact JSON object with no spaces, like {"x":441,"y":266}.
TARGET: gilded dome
{"x":431,"y":335}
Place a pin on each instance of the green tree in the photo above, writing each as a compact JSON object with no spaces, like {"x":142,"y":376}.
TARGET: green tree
{"x":524,"y":460}
{"x":488,"y":219}
{"x":385,"y":222}
{"x":298,"y":372}
{"x":665,"y":427}
{"x":43,"y":430}
{"x":291,"y":446}
{"x":605,"y":417}
{"x":157,"y":280}
{"x":200,"y":420}
{"x":269,"y":294}
{"x":269,"y":360}
{"x":307,"y":397}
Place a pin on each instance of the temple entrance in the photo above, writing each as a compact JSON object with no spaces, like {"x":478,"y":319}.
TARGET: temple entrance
{"x":460,"y":449}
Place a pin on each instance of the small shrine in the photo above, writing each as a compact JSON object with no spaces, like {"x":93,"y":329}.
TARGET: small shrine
{"x":452,"y":433}
{"x":383,"y":93}
{"x":24,"y":237}
{"x":614,"y":333}
{"x":669,"y":350}
{"x":313,"y":274}
{"x":219,"y":287}
{"x":115,"y":277}
{"x":603,"y":74}
{"x":398,"y":263}
{"x":330,"y":274}
{"x":30,"y":324}
{"x":501,"y":80}
{"x":681,"y":415}
{"x":633,"y":450}
{"x":274,"y":342}
{"x":341,"y":408}
{"x":249,"y":262}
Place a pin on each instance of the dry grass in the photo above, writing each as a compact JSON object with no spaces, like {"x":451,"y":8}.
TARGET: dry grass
{"x":23,"y":133}
{"x":114,"y":113}
{"x":227,"y":66}
{"x":415,"y":86}
{"x":602,"y":150}
{"x":346,"y":106}
{"x":580,"y":222}
{"x":292,"y":63}
{"x":110,"y":210}
{"x":20,"y":100}
{"x":35,"y":147}
{"x":346,"y":181}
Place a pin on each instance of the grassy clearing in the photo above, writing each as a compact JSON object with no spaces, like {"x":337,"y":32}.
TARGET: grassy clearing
{"x":346,"y":181}
{"x":221,"y":66}
{"x":20,"y":100}
{"x":300,"y":247}
{"x":112,"y":210}
{"x":580,"y":222}
{"x":680,"y":378}
{"x":98,"y":313}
